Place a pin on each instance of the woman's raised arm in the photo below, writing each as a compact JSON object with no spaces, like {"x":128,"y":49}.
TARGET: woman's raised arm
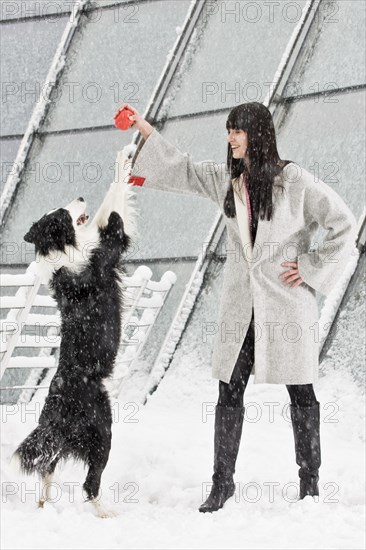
{"x":166,"y":168}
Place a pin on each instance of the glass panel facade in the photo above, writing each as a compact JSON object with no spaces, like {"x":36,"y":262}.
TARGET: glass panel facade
{"x":27,"y":51}
{"x":330,"y":59}
{"x":104,"y":68}
{"x":234,"y":57}
{"x":205,"y":137}
{"x":194,"y":343}
{"x":324,"y":136}
{"x":61,"y":168}
{"x":8,"y":151}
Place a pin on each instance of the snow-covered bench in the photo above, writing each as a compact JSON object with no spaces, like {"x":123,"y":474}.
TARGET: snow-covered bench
{"x":39,"y":333}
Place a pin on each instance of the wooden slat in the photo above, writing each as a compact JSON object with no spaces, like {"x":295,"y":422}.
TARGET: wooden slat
{"x":12,"y":302}
{"x":44,"y":301}
{"x":33,"y":319}
{"x":18,"y":302}
{"x":155,"y":302}
{"x":43,"y":319}
{"x":20,"y":362}
{"x":24,"y":388}
{"x":22,"y":279}
{"x":38,"y":342}
{"x":34,"y":342}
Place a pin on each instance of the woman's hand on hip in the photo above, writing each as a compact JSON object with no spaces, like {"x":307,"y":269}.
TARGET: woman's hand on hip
{"x":291,"y":275}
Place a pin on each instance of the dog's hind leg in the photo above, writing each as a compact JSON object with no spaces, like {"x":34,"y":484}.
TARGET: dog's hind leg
{"x":46,"y":482}
{"x":92,"y":482}
{"x":98,"y":458}
{"x":92,"y":487}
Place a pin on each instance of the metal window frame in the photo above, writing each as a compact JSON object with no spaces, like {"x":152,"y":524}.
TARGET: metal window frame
{"x":39,"y":112}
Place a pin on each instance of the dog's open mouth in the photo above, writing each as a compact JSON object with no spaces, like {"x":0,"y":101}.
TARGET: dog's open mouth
{"x":82,"y":219}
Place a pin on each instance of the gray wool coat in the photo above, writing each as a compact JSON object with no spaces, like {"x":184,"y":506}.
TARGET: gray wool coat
{"x":286,"y":319}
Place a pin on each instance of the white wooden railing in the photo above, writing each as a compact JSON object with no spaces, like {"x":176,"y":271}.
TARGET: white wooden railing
{"x":144,"y":299}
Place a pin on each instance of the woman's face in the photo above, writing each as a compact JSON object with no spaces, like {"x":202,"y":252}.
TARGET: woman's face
{"x":238,"y":140}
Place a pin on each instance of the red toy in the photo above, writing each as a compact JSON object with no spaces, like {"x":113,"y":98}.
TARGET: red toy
{"x":121,"y":119}
{"x":136,"y":180}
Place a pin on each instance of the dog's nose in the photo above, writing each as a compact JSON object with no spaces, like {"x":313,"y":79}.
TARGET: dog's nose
{"x":81,"y":199}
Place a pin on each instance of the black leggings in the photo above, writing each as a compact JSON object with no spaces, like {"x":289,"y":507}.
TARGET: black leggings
{"x":232,"y":394}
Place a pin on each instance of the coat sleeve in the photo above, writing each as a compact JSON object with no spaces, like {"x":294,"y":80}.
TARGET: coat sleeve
{"x":166,"y":168}
{"x":322,"y":267}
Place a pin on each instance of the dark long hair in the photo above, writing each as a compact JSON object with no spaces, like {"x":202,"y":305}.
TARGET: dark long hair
{"x":264,"y":161}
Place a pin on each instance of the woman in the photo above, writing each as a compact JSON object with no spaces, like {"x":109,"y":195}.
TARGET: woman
{"x":272,"y":209}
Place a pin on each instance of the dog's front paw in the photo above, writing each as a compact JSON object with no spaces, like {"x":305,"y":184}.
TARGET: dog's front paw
{"x":115,"y":226}
{"x":115,"y":221}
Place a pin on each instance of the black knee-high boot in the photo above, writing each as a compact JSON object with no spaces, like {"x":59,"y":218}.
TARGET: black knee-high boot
{"x":306,"y":428}
{"x":228,"y":429}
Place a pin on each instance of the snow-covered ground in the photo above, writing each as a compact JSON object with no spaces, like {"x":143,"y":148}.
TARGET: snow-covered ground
{"x":161,"y":459}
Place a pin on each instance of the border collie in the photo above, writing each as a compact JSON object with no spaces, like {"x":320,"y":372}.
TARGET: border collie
{"x":81,"y":262}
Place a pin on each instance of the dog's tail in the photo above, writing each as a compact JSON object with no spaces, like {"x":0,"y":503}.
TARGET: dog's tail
{"x":39,"y":452}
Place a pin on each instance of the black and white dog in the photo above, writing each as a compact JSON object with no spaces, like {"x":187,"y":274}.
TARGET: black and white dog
{"x":82,"y":263}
